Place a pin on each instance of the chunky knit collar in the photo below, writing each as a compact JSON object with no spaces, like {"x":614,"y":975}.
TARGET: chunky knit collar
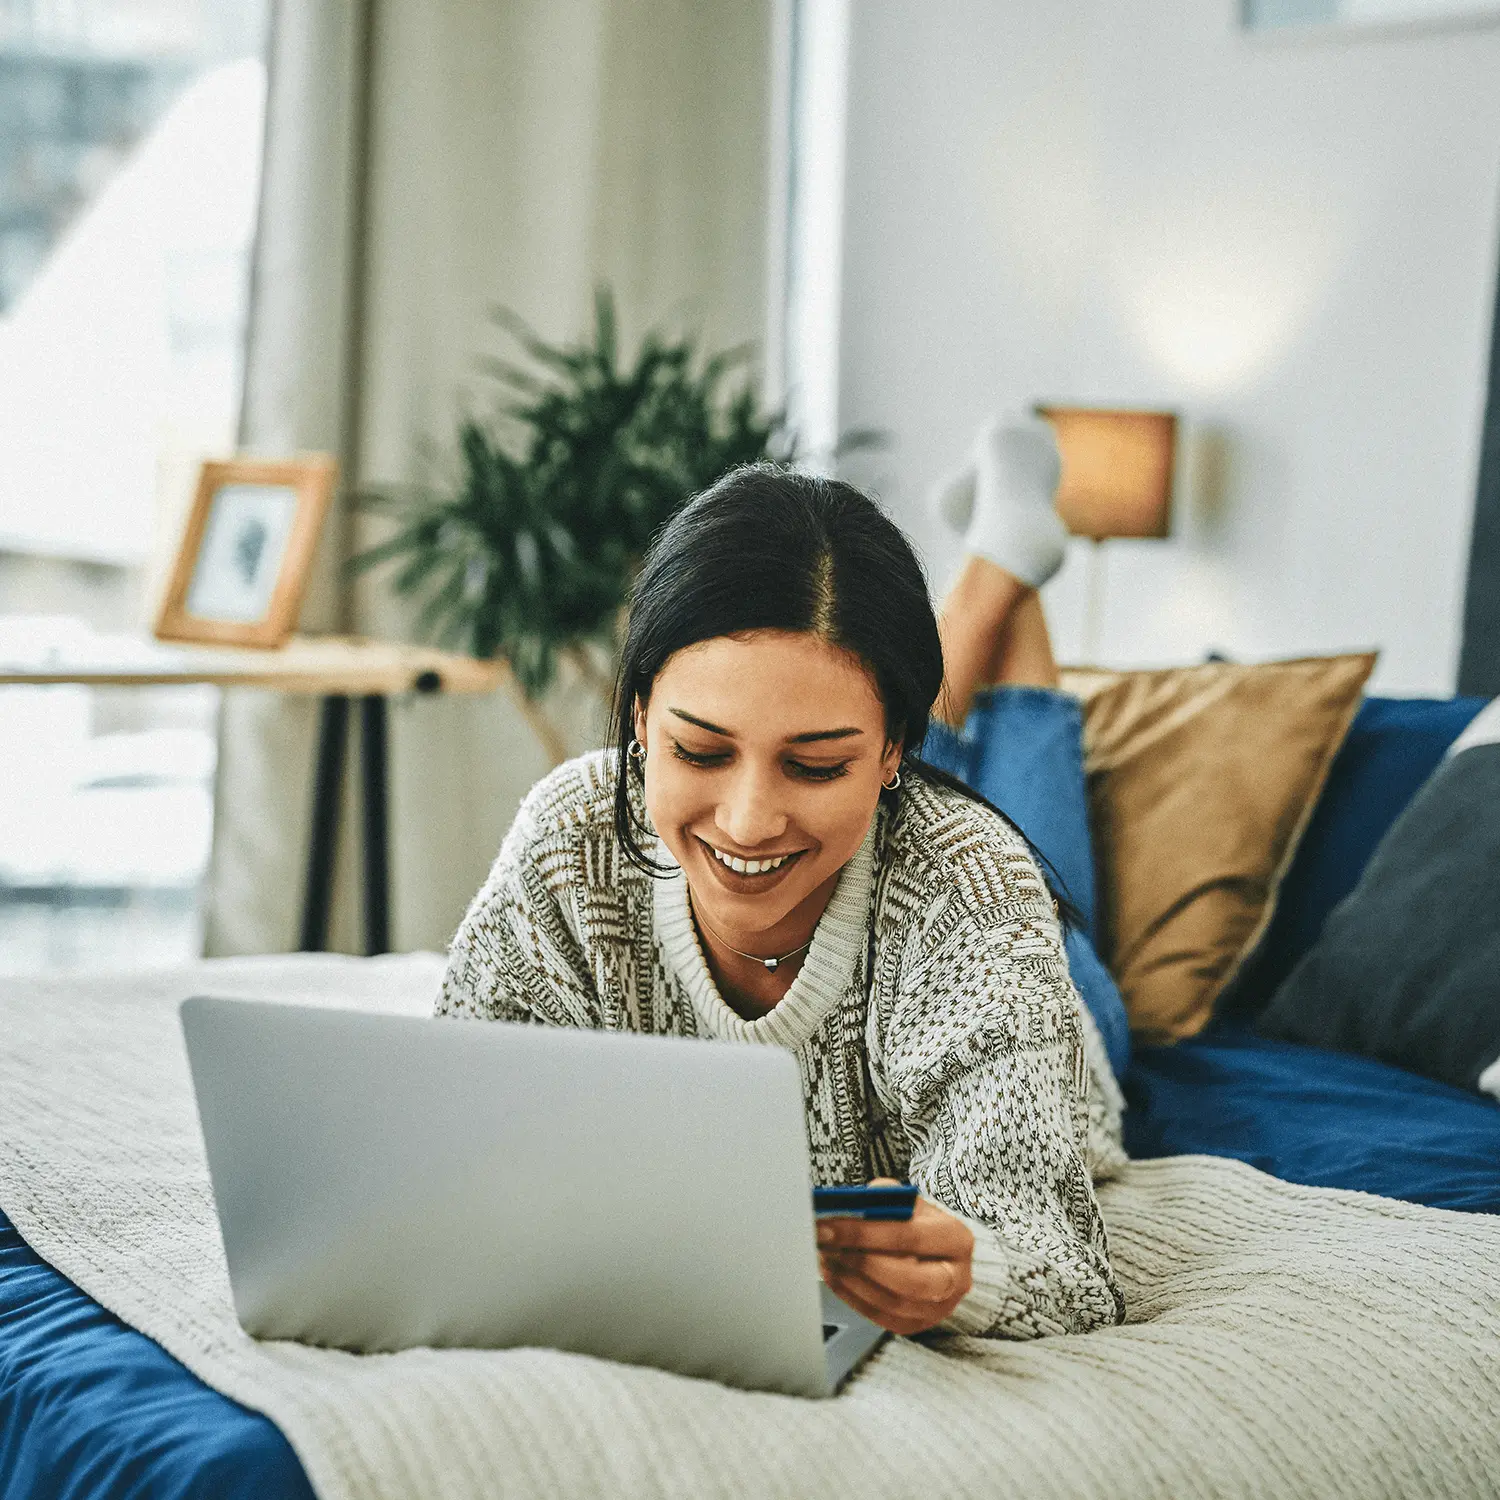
{"x":826,"y":973}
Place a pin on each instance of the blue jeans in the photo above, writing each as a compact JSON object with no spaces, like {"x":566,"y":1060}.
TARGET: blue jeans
{"x":1022,"y":748}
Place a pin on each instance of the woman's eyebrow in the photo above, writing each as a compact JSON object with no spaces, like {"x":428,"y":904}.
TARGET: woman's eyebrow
{"x":824,"y":734}
{"x":701,"y":723}
{"x":797,"y":739}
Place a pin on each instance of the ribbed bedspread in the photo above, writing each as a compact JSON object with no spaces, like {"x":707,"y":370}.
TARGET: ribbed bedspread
{"x":1280,"y":1340}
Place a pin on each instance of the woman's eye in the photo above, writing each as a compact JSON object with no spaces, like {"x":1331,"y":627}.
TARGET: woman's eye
{"x":708,"y":759}
{"x":699,"y":757}
{"x":818,"y":773}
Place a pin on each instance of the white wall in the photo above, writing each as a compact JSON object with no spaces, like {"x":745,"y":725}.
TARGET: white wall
{"x":1293,"y":243}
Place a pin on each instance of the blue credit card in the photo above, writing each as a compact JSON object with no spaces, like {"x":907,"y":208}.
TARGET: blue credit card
{"x":865,"y":1202}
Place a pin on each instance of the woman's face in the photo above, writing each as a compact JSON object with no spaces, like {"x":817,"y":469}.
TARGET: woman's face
{"x":765,"y":754}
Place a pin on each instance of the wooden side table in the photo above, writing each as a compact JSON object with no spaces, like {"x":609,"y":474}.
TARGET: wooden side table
{"x":337,"y":669}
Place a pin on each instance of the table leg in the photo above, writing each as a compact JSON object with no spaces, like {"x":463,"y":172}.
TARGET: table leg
{"x":328,"y":788}
{"x":372,"y":745}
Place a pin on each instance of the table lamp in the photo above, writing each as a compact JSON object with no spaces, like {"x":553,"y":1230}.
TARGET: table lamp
{"x":1116,"y":481}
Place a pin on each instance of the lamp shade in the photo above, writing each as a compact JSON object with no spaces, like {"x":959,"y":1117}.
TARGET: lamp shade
{"x":1116,"y":470}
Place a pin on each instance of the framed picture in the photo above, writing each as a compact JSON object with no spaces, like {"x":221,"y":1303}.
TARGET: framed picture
{"x":1364,"y":15}
{"x":242,"y":567}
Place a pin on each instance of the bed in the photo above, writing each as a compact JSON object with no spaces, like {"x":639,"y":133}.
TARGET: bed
{"x":89,"y":1406}
{"x":1292,"y":1216}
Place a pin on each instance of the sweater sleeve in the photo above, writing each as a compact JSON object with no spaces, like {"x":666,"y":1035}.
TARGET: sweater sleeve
{"x":985,"y":1064}
{"x":517,"y":954}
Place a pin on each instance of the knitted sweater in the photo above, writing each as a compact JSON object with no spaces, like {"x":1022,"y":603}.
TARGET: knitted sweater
{"x":939,"y":1037}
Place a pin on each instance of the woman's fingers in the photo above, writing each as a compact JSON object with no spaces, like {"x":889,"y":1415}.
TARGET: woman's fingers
{"x":904,"y":1276}
{"x":844,"y":1275}
{"x":931,"y":1232}
{"x":850,"y":1295}
{"x":938,"y":1236}
{"x":879,"y":1306}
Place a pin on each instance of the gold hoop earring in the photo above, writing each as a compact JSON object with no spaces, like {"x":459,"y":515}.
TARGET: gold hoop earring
{"x":894,"y":782}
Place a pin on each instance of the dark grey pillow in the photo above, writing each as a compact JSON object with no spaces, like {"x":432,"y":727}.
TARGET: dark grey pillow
{"x":1407,"y":969}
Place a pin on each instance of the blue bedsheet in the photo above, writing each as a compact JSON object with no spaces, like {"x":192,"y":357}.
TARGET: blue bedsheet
{"x":92,"y":1410}
{"x":1329,"y":1119}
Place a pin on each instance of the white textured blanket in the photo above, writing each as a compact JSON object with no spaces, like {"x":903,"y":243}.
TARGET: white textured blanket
{"x":1282,"y":1341}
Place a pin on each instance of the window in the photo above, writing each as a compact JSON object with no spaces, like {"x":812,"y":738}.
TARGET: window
{"x":130,"y":140}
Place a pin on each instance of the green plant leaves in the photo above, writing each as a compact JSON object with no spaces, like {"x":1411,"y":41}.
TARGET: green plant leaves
{"x":534,"y":549}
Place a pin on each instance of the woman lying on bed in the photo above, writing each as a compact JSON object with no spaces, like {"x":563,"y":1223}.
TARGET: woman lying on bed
{"x":764,"y":857}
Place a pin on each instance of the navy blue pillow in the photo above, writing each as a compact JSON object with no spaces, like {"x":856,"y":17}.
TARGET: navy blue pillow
{"x":1392,"y":748}
{"x":1406,"y":969}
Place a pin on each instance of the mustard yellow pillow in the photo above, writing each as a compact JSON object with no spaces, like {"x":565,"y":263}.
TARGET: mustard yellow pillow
{"x":1201,"y":781}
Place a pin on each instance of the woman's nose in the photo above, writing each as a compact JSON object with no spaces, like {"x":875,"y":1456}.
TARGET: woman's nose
{"x":748,"y":814}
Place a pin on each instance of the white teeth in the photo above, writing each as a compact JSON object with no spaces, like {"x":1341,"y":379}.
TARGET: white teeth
{"x":749,"y":866}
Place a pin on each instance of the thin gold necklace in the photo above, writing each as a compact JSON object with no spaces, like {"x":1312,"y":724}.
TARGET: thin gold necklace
{"x":770,"y":963}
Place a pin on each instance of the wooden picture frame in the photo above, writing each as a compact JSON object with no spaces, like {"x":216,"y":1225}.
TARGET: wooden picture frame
{"x":242,"y":566}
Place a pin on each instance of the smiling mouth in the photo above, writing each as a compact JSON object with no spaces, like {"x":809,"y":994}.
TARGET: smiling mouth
{"x":751,"y":866}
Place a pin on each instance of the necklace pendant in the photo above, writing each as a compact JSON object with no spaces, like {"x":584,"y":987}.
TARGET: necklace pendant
{"x":771,"y":963}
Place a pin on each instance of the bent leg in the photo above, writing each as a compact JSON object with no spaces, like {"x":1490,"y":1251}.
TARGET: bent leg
{"x":1012,"y":736}
{"x":1025,"y":655}
{"x":1006,"y":730}
{"x":993,"y":630}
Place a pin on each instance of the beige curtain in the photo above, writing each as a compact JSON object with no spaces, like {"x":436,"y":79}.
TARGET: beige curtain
{"x":516,"y":151}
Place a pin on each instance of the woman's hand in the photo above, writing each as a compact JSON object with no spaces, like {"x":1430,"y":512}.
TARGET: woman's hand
{"x":904,"y":1275}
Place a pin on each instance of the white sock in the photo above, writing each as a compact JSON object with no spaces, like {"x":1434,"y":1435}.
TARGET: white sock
{"x":951,"y":500}
{"x":1014,"y":522}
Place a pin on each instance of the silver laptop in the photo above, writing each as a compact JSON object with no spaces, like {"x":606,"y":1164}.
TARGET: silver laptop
{"x":385,"y":1182}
